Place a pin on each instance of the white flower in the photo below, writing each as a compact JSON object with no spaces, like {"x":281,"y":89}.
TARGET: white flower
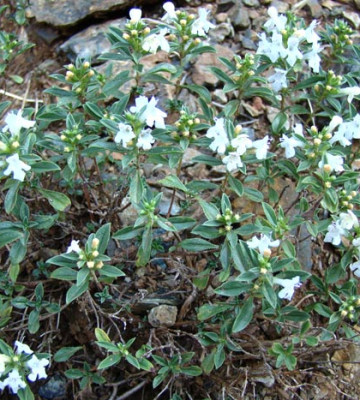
{"x":148,"y":112}
{"x":3,"y":360}
{"x":278,"y":80}
{"x":124,"y":135}
{"x":263,"y":243}
{"x":170,"y":12}
{"x":261,"y":147}
{"x":313,"y":57}
{"x":355,"y":267}
{"x":241,"y":143}
{"x":336,"y":120}
{"x":156,"y":40}
{"x":201,"y":25}
{"x":289,"y":286}
{"x":310,"y":35}
{"x":22,"y":348}
{"x":290,"y":143}
{"x":74,"y":246}
{"x":292,"y":51}
{"x":334,"y":233}
{"x":14,"y":123}
{"x":276,"y":21}
{"x":347,"y":131}
{"x":145,"y":139}
{"x":218,"y":133}
{"x":335,"y":162}
{"x":37,"y":367}
{"x":350,"y":92}
{"x":348,"y":220}
{"x":14,"y":381}
{"x":16,"y":167}
{"x":233,"y":161}
{"x":273,"y":49}
{"x":135,"y":15}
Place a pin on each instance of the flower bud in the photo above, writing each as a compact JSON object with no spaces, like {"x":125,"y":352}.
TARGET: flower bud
{"x":314,"y":129}
{"x":69,"y":75}
{"x":186,"y":133}
{"x":126,"y":36}
{"x":228,"y":228}
{"x":15,"y":144}
{"x":63,"y":137}
{"x":328,"y":185}
{"x":95,"y":253}
{"x":238,"y":129}
{"x":90,"y":264}
{"x":197,"y":120}
{"x":66,"y":149}
{"x":146,"y":31}
{"x":327,"y":168}
{"x":183,"y":22}
{"x":78,"y":137}
{"x":197,"y":41}
{"x":353,"y":193}
{"x":91,"y":73}
{"x":70,"y":67}
{"x":134,"y":32}
{"x":267,"y":253}
{"x":86,"y":64}
{"x":2,"y":146}
{"x":317,"y":141}
{"x":95,"y":243}
{"x":350,"y":206}
{"x":263,"y":271}
{"x":99,"y":265}
{"x":185,"y":38}
{"x":344,"y":313}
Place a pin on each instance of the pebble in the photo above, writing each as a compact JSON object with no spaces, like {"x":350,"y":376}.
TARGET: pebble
{"x":54,"y":388}
{"x":163,"y":315}
{"x":240,"y":18}
{"x":251,"y":3}
{"x":353,"y":17}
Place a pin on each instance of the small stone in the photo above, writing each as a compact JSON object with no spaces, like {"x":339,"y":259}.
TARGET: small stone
{"x":225,"y":5}
{"x":54,"y":388}
{"x":251,"y":3}
{"x":220,"y":96}
{"x":281,"y":6}
{"x":221,"y":31}
{"x":240,"y":18}
{"x":221,"y":17}
{"x":164,"y":206}
{"x":188,"y":156}
{"x":353,"y":17}
{"x":315,"y":8}
{"x":130,"y":214}
{"x":163,"y":315}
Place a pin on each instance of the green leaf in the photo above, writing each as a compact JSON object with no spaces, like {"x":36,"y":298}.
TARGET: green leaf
{"x":103,"y":234}
{"x":128,"y":233}
{"x":233,"y":288}
{"x":101,"y":335}
{"x":12,"y":197}
{"x":173,"y":182}
{"x":111,"y":271}
{"x":74,"y":373}
{"x":269,"y":293}
{"x":143,"y":255}
{"x":193,"y":370}
{"x":65,"y":353}
{"x":209,"y":209}
{"x":8,"y":236}
{"x":278,"y":123}
{"x":197,"y":244}
{"x":270,"y":214}
{"x":210,"y":310}
{"x":136,"y":188}
{"x":82,"y":275}
{"x":244,"y":316}
{"x":58,"y":201}
{"x":253,"y":194}
{"x":76,"y":291}
{"x":236,"y":185}
{"x":109,"y":361}
{"x":44,"y":166}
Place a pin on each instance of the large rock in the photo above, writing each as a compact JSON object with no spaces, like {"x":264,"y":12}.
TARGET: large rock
{"x":64,"y":13}
{"x":91,"y":42}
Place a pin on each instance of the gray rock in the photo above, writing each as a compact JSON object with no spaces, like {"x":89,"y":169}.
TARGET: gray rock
{"x":221,"y":31}
{"x":352,"y":17}
{"x":251,"y":3}
{"x":163,"y":315}
{"x":281,"y":6}
{"x":164,"y":206}
{"x":240,"y":18}
{"x":91,"y":42}
{"x":55,"y":388}
{"x":220,"y":97}
{"x":65,"y":13}
{"x":315,"y":8}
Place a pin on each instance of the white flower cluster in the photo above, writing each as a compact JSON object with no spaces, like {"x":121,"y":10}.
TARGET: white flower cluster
{"x":22,"y":364}
{"x":14,"y":123}
{"x":240,"y":144}
{"x":147,"y":113}
{"x":347,"y":131}
{"x":280,"y":47}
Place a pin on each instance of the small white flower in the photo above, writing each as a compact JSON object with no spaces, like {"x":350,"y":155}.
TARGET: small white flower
{"x":145,"y":139}
{"x":156,"y":40}
{"x":347,"y":131}
{"x":233,"y":161}
{"x":313,"y":57}
{"x":263,"y":243}
{"x":336,"y":120}
{"x":37,"y":367}
{"x":348,"y":220}
{"x":74,"y":246}
{"x":148,"y":112}
{"x":276,"y":21}
{"x":14,"y":123}
{"x":22,"y":348}
{"x":292,"y":51}
{"x":16,"y":167}
{"x":289,"y":286}
{"x":350,"y":92}
{"x":261,"y":147}
{"x":135,"y":15}
{"x":310,"y":35}
{"x":355,"y":267}
{"x":278,"y":80}
{"x":125,"y":134}
{"x":219,"y":134}
{"x":335,"y":162}
{"x":170,"y":12}
{"x":334,"y":233}
{"x":241,"y":143}
{"x":273,"y":49}
{"x":201,"y":25}
{"x":14,"y":381}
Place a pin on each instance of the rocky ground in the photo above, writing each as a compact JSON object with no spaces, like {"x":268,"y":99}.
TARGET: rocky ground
{"x":63,"y":30}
